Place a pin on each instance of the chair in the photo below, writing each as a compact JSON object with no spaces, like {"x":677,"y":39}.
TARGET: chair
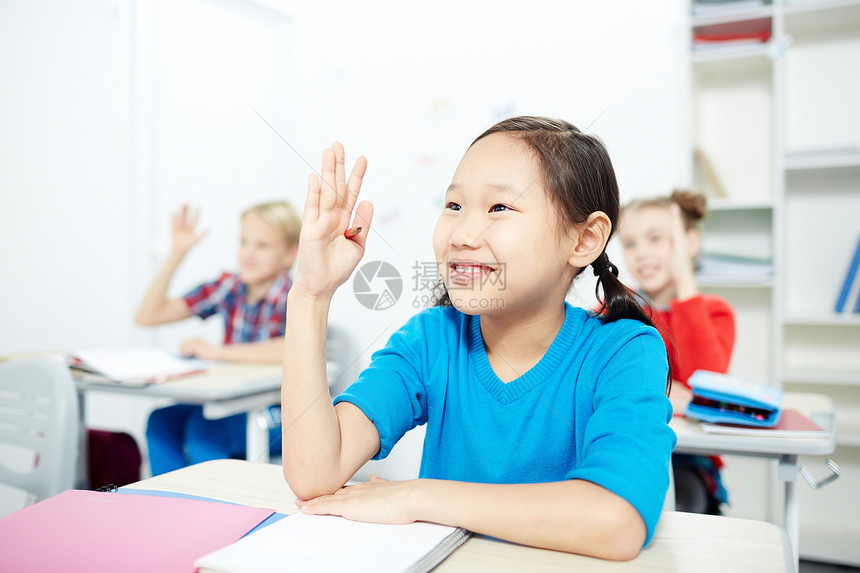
{"x":39,"y":423}
{"x":340,"y":359}
{"x":669,"y":501}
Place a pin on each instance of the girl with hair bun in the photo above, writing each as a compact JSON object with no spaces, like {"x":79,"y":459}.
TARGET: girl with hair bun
{"x":661,"y":239}
{"x":547,"y":425}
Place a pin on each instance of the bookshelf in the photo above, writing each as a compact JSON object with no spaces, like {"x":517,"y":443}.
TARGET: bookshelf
{"x":777,"y":119}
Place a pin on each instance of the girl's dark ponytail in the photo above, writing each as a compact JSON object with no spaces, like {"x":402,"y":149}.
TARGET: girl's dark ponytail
{"x":617,"y":300}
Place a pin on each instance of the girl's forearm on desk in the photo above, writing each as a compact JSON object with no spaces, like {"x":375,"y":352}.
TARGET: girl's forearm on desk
{"x":573,"y":516}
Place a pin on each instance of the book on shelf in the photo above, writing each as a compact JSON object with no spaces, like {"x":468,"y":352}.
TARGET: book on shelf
{"x":335,"y":544}
{"x":732,"y":34}
{"x":792,"y":424}
{"x":849,"y":294}
{"x":728,"y":268}
{"x":136,"y":366}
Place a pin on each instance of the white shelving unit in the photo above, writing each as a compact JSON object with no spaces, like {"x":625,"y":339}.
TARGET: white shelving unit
{"x":779,"y":123}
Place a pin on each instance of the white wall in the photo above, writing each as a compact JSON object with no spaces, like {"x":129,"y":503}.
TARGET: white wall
{"x":103,"y":135}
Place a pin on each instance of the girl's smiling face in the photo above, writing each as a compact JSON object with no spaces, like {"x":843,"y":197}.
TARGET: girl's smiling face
{"x":646,"y":236}
{"x":497,"y":242}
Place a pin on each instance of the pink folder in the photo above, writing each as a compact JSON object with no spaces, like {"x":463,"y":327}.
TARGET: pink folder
{"x":95,"y":532}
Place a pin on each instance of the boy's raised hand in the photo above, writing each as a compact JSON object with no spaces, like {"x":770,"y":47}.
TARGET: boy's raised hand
{"x":184,"y":230}
{"x":327,"y":254}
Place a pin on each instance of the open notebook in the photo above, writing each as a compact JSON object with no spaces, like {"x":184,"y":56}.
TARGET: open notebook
{"x":333,"y":544}
{"x":136,"y":366}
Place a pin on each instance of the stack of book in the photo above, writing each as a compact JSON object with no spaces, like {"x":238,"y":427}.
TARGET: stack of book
{"x":734,"y":269}
{"x":732,"y":35}
{"x":848,"y":299}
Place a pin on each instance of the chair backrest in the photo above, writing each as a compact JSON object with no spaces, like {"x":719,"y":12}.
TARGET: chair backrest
{"x":669,"y":500}
{"x":39,"y":419}
{"x":340,"y":359}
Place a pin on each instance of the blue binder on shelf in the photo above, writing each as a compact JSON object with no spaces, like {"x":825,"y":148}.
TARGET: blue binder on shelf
{"x":724,"y":399}
{"x":852,"y":278}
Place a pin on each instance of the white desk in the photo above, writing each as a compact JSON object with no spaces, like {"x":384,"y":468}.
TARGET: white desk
{"x":225,"y":389}
{"x":683,"y":542}
{"x":819,"y":408}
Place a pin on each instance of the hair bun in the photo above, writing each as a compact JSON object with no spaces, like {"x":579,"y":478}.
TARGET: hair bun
{"x":695,"y":205}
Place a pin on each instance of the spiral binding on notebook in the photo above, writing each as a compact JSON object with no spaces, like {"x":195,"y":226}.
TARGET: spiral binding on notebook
{"x":438,"y":554}
{"x":111,"y":487}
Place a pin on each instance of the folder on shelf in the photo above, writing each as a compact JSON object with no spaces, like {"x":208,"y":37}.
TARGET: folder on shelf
{"x":132,"y":366}
{"x":105,"y":532}
{"x":850,"y":290}
{"x":725,"y":399}
{"x":334,"y":544}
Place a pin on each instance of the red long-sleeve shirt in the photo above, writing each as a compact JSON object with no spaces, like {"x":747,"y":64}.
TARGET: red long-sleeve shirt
{"x":699,"y":334}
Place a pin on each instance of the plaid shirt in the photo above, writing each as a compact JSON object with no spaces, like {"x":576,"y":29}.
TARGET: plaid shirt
{"x":243,"y":322}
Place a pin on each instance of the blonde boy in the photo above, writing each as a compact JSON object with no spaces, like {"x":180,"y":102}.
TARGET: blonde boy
{"x":252,"y":303}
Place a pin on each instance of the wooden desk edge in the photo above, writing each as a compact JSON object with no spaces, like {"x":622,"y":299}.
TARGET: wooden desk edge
{"x":263,"y":485}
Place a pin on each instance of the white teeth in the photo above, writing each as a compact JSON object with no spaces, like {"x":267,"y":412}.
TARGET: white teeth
{"x":464,"y":268}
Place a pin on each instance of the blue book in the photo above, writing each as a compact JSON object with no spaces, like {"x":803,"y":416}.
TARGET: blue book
{"x":850,"y":278}
{"x":275,"y":517}
{"x":856,"y":293}
{"x":725,"y":399}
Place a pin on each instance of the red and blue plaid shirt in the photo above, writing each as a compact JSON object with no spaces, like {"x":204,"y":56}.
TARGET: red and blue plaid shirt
{"x":243,"y":322}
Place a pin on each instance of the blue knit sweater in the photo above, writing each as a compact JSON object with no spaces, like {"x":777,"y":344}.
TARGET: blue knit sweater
{"x":593,"y":408}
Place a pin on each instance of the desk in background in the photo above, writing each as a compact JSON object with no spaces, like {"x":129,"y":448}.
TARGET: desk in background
{"x":683,"y":542}
{"x":817,"y":407}
{"x":223,"y":390}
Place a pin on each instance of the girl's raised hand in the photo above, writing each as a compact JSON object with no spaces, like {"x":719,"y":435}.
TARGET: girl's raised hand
{"x":184,"y":230}
{"x":327,"y":253}
{"x":683,"y":255}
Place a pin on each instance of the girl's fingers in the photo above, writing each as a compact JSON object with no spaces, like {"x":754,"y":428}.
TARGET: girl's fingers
{"x":363,"y":217}
{"x":312,"y":202}
{"x":339,"y":171}
{"x":328,"y":189}
{"x":353,"y":186}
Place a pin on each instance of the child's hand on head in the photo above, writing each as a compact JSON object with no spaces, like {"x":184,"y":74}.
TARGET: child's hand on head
{"x":184,"y":231}
{"x":327,"y":257}
{"x":683,"y":266}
